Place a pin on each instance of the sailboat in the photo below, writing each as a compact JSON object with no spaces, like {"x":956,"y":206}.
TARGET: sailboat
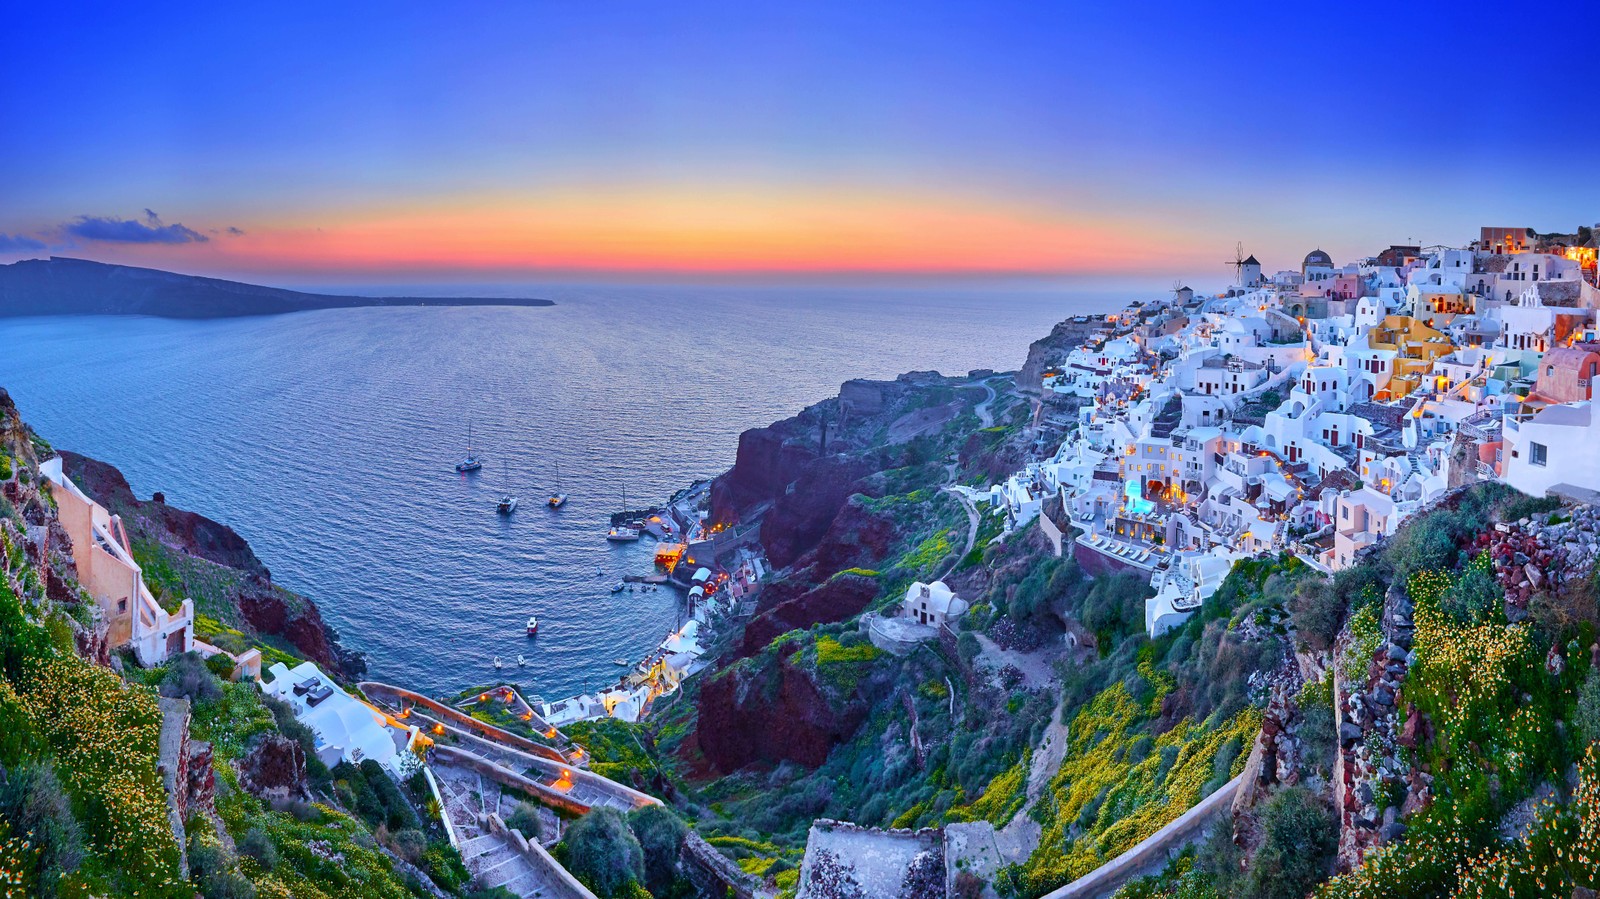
{"x":471,"y":462}
{"x":508,"y":503}
{"x":623,"y":533}
{"x":558,"y":498}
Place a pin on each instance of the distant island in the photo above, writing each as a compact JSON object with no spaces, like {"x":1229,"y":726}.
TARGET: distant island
{"x":64,"y":286}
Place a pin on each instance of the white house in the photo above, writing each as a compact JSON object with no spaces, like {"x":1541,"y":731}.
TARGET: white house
{"x":1557,"y":445}
{"x":346,"y":729}
{"x":932,"y":604}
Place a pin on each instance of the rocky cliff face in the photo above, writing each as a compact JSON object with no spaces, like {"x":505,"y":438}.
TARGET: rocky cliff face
{"x":794,"y":605}
{"x":237,"y":586}
{"x":769,"y":709}
{"x":1051,"y":350}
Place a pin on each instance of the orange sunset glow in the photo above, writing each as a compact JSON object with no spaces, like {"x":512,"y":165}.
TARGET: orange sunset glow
{"x":694,"y":231}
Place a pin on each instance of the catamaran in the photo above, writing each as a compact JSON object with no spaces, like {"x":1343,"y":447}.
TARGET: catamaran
{"x":558,"y":498}
{"x":508,"y":503}
{"x":471,"y":462}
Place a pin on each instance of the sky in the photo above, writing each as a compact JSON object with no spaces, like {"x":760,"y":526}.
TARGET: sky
{"x":323,"y":143}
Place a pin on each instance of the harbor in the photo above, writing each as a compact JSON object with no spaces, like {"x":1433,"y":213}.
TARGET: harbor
{"x":715,"y":574}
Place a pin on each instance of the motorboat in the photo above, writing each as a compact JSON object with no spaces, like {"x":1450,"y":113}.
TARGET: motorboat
{"x":498,"y":663}
{"x":533,"y":625}
{"x":521,"y":660}
{"x":618,"y":587}
{"x":623,"y":662}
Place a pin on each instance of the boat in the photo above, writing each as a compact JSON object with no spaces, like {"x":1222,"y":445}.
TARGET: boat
{"x":558,"y":498}
{"x":498,"y":663}
{"x":521,"y":660}
{"x":618,"y":587}
{"x":470,"y":462}
{"x":622,"y":662}
{"x":533,"y":625}
{"x":623,"y":533}
{"x":508,"y":503}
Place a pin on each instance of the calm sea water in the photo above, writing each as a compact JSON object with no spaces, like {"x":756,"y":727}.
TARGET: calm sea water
{"x":328,"y":438}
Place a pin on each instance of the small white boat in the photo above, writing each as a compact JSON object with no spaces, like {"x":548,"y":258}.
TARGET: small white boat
{"x":533,"y":625}
{"x":622,"y":662}
{"x":618,"y":587}
{"x":498,"y":663}
{"x":521,"y":661}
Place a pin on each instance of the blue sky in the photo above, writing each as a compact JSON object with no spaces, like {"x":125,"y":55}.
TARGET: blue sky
{"x":701,"y":138}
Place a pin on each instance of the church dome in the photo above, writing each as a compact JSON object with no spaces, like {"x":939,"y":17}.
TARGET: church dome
{"x":1317,"y":257}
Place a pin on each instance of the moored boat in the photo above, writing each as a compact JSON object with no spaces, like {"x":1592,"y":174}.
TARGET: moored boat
{"x":559,"y":497}
{"x":622,"y":534}
{"x":533,"y":625}
{"x":470,"y":462}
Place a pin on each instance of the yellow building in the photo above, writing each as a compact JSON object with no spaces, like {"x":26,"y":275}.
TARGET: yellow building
{"x":1415,"y":346}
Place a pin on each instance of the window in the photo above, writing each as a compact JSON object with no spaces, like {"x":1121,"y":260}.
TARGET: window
{"x":1538,"y":454}
{"x":122,"y":606}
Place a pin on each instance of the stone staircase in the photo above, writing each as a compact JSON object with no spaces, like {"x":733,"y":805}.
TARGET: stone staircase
{"x":494,"y":862}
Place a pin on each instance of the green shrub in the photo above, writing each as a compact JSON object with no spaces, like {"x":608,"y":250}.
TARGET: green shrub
{"x":410,"y":844}
{"x":660,"y":834}
{"x":1299,"y":836}
{"x":1587,"y":717}
{"x":604,"y":854}
{"x":227,"y":885}
{"x":33,"y":800}
{"x":221,"y":665}
{"x":258,"y":845}
{"x":526,"y":819}
{"x":188,"y":677}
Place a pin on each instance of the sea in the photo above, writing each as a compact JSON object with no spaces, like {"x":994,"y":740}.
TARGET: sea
{"x":328,"y":440}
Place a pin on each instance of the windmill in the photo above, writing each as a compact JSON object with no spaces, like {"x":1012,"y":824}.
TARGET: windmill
{"x":1238,"y":263}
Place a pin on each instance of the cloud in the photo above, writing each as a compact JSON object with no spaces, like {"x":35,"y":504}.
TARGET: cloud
{"x":235,"y":232}
{"x":116,"y":230}
{"x":16,"y":243}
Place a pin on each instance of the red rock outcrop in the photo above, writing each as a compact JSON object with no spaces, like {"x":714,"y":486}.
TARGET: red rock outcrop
{"x":766,"y":709}
{"x":789,"y":605}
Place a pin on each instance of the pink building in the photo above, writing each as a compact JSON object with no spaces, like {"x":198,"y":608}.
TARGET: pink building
{"x":1566,"y":374}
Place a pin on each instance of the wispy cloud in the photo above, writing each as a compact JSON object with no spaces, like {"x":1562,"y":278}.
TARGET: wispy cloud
{"x":118,"y":230}
{"x":17,"y":243}
{"x":235,"y":232}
